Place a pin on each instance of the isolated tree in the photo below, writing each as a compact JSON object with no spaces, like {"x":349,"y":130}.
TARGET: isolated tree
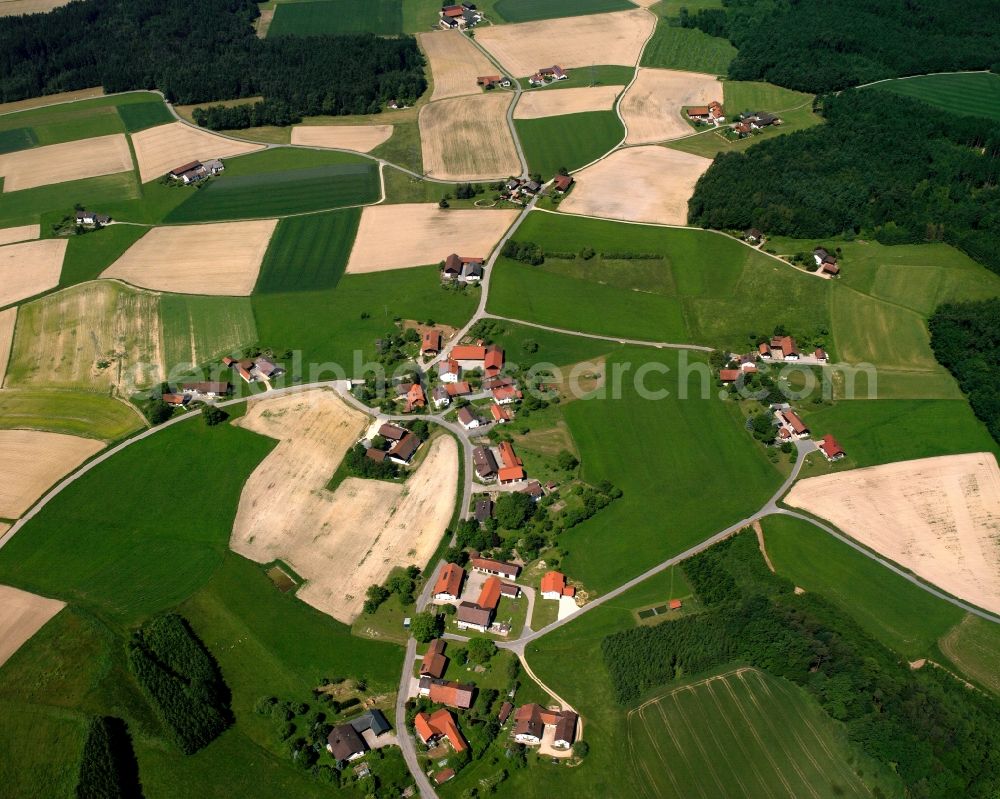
{"x":213,"y":415}
{"x":481,"y":650}
{"x":426,"y":626}
{"x":567,"y":460}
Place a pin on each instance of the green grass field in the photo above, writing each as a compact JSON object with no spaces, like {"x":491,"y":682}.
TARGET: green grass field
{"x":319,"y":17}
{"x":27,"y":206}
{"x":676,"y":460}
{"x":688,"y":49}
{"x":974,"y":647}
{"x":702,"y":288}
{"x":529,"y":10}
{"x":893,"y":610}
{"x":90,"y":254}
{"x":74,"y":412}
{"x":976,"y":94}
{"x":17,"y":139}
{"x":554,"y":348}
{"x":289,"y":320}
{"x":568,"y":141}
{"x":308,"y":252}
{"x":740,"y":96}
{"x":200,"y":330}
{"x":776,"y":741}
{"x":139,"y":116}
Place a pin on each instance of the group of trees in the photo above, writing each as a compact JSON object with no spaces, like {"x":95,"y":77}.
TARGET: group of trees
{"x":181,"y":680}
{"x":941,"y":738}
{"x":402,"y":582}
{"x":108,"y":768}
{"x":358,"y":464}
{"x":823,"y":45}
{"x":200,"y":52}
{"x":966,"y":341}
{"x":910,"y":175}
{"x":524,"y":251}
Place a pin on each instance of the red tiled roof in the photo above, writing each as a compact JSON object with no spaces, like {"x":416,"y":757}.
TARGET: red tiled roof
{"x":451,"y":693}
{"x":445,"y":724}
{"x":500,"y":414}
{"x":553,"y":581}
{"x":432,"y":341}
{"x":562,"y":182}
{"x":729,"y":375}
{"x":675,"y":604}
{"x":489,"y":597}
{"x":494,"y":358}
{"x":449,"y":579}
{"x":506,"y":392}
{"x":508,"y":456}
{"x":510,"y":473}
{"x":468,"y":352}
{"x":422,"y":726}
{"x":797,"y":425}
{"x":831,"y":448}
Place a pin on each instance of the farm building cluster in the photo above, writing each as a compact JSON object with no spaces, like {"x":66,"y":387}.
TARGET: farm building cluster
{"x":194,"y":171}
{"x":493,"y":81}
{"x":547,"y":75}
{"x":826,"y":263}
{"x":254,"y":370}
{"x":711,"y":114}
{"x":478,"y":614}
{"x":392,"y":443}
{"x":459,"y":17}
{"x":752,"y":122}
{"x":464,"y":268}
{"x":352,"y":740}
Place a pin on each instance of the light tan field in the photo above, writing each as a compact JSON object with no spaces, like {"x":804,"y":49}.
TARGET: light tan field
{"x":10,"y":235}
{"x":423,"y":234}
{"x":22,"y":615}
{"x":467,"y":138}
{"x":362,"y":138}
{"x":32,"y":461}
{"x":553,"y":102}
{"x":12,"y":8}
{"x":344,"y":541}
{"x":58,"y":163}
{"x":62,"y":339}
{"x":614,"y":38}
{"x":640,"y":184}
{"x":52,"y":99}
{"x":8,"y":319}
{"x":455,"y":63}
{"x":30,"y":268}
{"x":160,"y":149}
{"x":652,"y":106}
{"x":222,"y":258}
{"x":937,"y":517}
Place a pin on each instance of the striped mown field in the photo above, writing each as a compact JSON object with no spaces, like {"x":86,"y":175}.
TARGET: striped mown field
{"x":739,"y":734}
{"x":965,"y":94}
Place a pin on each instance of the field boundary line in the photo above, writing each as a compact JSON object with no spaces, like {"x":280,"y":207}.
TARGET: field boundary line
{"x":662,"y":345}
{"x":920,"y":75}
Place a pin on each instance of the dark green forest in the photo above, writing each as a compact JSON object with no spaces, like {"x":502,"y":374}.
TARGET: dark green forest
{"x":822,"y":45}
{"x":941,"y":738}
{"x":966,"y":341}
{"x":202,"y":52}
{"x":108,"y":769}
{"x":915,"y":174}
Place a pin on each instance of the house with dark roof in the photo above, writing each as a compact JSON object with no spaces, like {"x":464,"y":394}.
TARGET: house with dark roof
{"x":484,"y":462}
{"x":373,"y":720}
{"x":467,"y":418}
{"x":472,"y":616}
{"x":501,"y":568}
{"x":403,"y":450}
{"x":391,"y":432}
{"x":531,"y":721}
{"x":440,"y":397}
{"x":345,"y":744}
{"x":561,"y":183}
{"x":484,"y":510}
{"x":431,"y":342}
{"x":434,"y":661}
{"x":208,"y":388}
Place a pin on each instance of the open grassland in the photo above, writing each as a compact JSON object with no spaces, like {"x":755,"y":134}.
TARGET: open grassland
{"x":30,"y":268}
{"x":741,"y":96}
{"x":32,"y":461}
{"x":554,"y":348}
{"x":455,"y":63}
{"x":362,"y":138}
{"x":534,"y":105}
{"x":742,"y":733}
{"x":358,"y":311}
{"x":61,"y":163}
{"x":90,"y":254}
{"x":423,"y":233}
{"x":974,"y":647}
{"x":893,"y":610}
{"x":638,"y":184}
{"x":687,"y":48}
{"x":75,"y":413}
{"x":689,"y":494}
{"x":90,"y":337}
{"x":217,"y":259}
{"x":568,"y":141}
{"x":21,"y":616}
{"x":530,"y":10}
{"x":339,"y":180}
{"x":975,"y":94}
{"x":697,"y":287}
{"x":936,"y":517}
{"x":16,"y":139}
{"x":614,"y":38}
{"x":322,"y":17}
{"x":57,"y":118}
{"x":160,"y":149}
{"x":308,"y":252}
{"x":200,"y":330}
{"x":467,"y":138}
{"x":104,"y":192}
{"x":139,"y":116}
{"x":652,"y":107}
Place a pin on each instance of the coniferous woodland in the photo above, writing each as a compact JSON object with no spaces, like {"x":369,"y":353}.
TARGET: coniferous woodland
{"x":902,"y":175}
{"x":108,"y":769}
{"x":822,"y":45}
{"x":940,"y":737}
{"x":201,"y":52}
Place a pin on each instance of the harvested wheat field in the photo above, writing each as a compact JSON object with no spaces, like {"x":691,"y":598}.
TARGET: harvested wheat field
{"x":422,"y":233}
{"x":361,"y":138}
{"x":219,"y":259}
{"x":467,"y":138}
{"x":8,"y":319}
{"x":542,"y":103}
{"x":10,"y":235}
{"x":340,"y":542}
{"x":615,"y":38}
{"x":21,"y":616}
{"x":639,"y":184}
{"x":58,"y":163}
{"x":160,"y":149}
{"x":91,"y":337}
{"x":455,"y":63}
{"x":32,"y":461}
{"x":652,"y":106}
{"x":937,"y":517}
{"x":13,"y":8}
{"x":30,"y":268}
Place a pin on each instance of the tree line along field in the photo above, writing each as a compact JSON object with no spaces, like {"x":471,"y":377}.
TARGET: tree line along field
{"x":965,"y":94}
{"x":138,"y":564}
{"x":568,"y":141}
{"x":317,"y":17}
{"x":670,"y":296}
